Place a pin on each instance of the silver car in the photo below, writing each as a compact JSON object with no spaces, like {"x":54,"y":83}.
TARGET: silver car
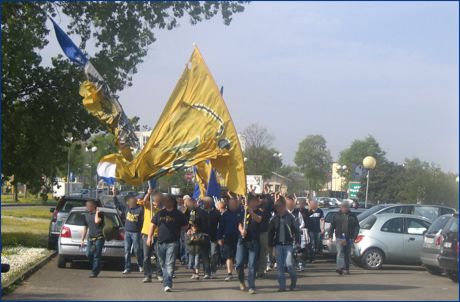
{"x":70,"y":238}
{"x":389,"y":238}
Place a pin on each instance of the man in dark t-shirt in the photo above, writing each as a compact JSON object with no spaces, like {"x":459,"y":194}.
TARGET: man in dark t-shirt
{"x":93,"y":225}
{"x":169,"y":221}
{"x":248,"y":243}
{"x":133,"y":225}
{"x":315,"y":226}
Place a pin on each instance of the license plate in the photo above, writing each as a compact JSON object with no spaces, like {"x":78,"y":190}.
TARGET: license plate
{"x":448,"y":244}
{"x":429,"y":240}
{"x":83,"y":249}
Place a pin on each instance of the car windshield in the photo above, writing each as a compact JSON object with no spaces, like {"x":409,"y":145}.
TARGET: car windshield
{"x":70,"y":204}
{"x":428,"y":212}
{"x":367,"y":223}
{"x":438,"y":224}
{"x":78,"y":218}
{"x":369,"y":212}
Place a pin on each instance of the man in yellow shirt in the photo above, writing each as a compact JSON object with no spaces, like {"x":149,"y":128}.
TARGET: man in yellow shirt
{"x":148,"y":250}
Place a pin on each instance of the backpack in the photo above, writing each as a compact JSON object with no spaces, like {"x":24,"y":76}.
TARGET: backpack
{"x":109,"y":230}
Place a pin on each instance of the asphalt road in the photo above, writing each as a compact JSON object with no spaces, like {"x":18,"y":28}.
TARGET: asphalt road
{"x":318,"y":282}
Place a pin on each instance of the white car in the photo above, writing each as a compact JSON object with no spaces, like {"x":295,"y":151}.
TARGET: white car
{"x":70,"y":237}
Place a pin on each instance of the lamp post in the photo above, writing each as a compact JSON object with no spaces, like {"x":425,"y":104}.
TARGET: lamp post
{"x":69,"y":140}
{"x":92,"y":150}
{"x":369,"y":163}
{"x":278,"y":155}
{"x":341,"y":169}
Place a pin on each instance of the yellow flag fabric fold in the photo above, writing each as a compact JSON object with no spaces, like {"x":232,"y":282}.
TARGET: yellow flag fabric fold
{"x":195,"y":126}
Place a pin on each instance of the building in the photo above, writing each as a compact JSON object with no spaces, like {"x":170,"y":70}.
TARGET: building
{"x":338,"y":183}
{"x":143,"y":137}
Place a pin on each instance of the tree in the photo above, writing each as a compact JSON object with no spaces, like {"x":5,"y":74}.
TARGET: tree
{"x":40,"y":104}
{"x":314,"y":160}
{"x":256,"y":136}
{"x":353,"y":156}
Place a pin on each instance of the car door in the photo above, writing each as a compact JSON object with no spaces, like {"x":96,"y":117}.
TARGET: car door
{"x":413,"y":238}
{"x":391,"y":235}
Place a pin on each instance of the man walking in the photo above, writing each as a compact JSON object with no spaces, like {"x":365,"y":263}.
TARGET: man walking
{"x":133,"y":224}
{"x":293,"y":210}
{"x":208,"y":220}
{"x":283,"y":234}
{"x":315,"y":226}
{"x":169,"y":221}
{"x":227,"y":234}
{"x":266,"y":206}
{"x":93,"y":225}
{"x":248,"y":243}
{"x":147,"y":223}
{"x":345,"y":225}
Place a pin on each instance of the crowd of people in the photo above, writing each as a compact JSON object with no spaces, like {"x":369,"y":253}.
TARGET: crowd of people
{"x":259,"y":233}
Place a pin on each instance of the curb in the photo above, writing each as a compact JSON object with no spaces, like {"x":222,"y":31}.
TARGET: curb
{"x":28,"y":272}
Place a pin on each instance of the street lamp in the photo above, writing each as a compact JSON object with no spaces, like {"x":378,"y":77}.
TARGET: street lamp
{"x":92,"y":150}
{"x":278,"y":155}
{"x":369,"y":163}
{"x":69,"y":139}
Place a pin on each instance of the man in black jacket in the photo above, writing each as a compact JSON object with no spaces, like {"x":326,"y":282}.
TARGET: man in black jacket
{"x":283,"y":233}
{"x":208,"y":221}
{"x":345,"y":225}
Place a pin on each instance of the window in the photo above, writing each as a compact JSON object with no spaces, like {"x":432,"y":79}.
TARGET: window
{"x":443,"y":211}
{"x":428,"y":212}
{"x":367,"y":223}
{"x":438,"y":224}
{"x":394,"y":225}
{"x":69,"y":204}
{"x":78,"y":218}
{"x":416,"y":226}
{"x":454,"y":225}
{"x":398,"y":210}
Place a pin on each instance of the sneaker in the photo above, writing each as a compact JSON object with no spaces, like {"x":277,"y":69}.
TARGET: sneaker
{"x":339,"y":271}
{"x":167,"y":289}
{"x":252,"y":291}
{"x":242,"y":286}
{"x":267,"y":269}
{"x":206,"y":277}
{"x":141,"y":270}
{"x":281,"y":290}
{"x":126,"y":272}
{"x":160,"y":278}
{"x":229,"y":277}
{"x":93,"y":276}
{"x":213,"y":276}
{"x":147,"y":280}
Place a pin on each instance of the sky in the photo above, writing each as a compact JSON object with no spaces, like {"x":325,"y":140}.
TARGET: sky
{"x":342,"y":70}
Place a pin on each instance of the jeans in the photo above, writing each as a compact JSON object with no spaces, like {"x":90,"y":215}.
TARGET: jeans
{"x":247,"y":250}
{"x":193,"y":261}
{"x":263,"y":253}
{"x":148,"y":251}
{"x":343,"y":255}
{"x":167,"y":256}
{"x":211,"y":258}
{"x":133,"y":240}
{"x":285,"y":258}
{"x":94,"y":254}
{"x":315,"y":244}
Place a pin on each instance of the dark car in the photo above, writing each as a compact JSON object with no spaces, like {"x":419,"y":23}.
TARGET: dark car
{"x":448,"y":255}
{"x":432,"y":244}
{"x":430,"y":212}
{"x":60,"y":214}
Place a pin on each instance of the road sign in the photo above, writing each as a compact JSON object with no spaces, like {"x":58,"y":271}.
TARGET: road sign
{"x":353,"y":189}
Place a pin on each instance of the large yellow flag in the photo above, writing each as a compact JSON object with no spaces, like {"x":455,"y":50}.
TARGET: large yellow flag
{"x":195,"y":126}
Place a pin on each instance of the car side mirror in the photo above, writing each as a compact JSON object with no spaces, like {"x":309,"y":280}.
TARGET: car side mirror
{"x":52,"y":210}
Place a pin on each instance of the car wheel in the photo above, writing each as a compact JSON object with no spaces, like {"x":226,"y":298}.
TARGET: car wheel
{"x":61,"y":261}
{"x":452,"y":276}
{"x":372,"y":259}
{"x":433,"y":270}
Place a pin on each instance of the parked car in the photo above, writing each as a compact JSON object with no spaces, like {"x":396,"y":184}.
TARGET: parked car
{"x":324,"y":202}
{"x":389,"y":238}
{"x":430,"y":212}
{"x":328,"y":245}
{"x":60,"y":214}
{"x":114,"y":202}
{"x":84,"y":193}
{"x":448,"y":255}
{"x":432,"y":245}
{"x":70,"y":238}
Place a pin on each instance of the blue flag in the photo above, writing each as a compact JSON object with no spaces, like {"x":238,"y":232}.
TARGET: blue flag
{"x":213,"y":189}
{"x":70,"y":49}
